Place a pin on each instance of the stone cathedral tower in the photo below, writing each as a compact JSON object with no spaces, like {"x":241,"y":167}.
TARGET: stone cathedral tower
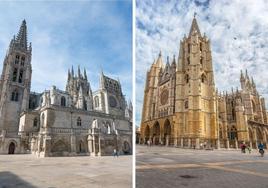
{"x":179,"y":99}
{"x":15,"y":85}
{"x":195,"y":111}
{"x":189,"y":112}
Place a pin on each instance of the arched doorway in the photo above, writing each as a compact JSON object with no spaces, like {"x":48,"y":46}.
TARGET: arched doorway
{"x":11,"y":148}
{"x":156,"y":133}
{"x":259,"y":135}
{"x":126,"y":148}
{"x":147,"y":134}
{"x":232,"y":134}
{"x":81,"y":147}
{"x":59,"y":148}
{"x":167,"y":133}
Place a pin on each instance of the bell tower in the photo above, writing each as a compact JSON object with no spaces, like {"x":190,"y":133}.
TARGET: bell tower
{"x":15,"y":83}
{"x":195,"y":105}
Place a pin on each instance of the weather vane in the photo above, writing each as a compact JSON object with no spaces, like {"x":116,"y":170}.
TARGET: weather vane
{"x":195,"y":14}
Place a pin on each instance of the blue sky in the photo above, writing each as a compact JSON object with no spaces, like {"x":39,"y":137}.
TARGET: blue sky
{"x":237,"y":29}
{"x":91,"y":34}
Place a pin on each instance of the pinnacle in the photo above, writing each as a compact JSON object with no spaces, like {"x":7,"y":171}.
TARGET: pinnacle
{"x":194,"y":27}
{"x":21,"y":38}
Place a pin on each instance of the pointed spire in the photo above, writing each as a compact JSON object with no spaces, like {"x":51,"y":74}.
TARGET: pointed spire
{"x":69,"y":74}
{"x":158,"y":62}
{"x":241,"y":75}
{"x":174,"y":62}
{"x":194,"y":27}
{"x":72,"y":71}
{"x":85,"y":74}
{"x":79,"y":72}
{"x":102,"y":79}
{"x":21,"y":38}
{"x":247,"y":74}
{"x":252,"y":82}
{"x":168,"y":60}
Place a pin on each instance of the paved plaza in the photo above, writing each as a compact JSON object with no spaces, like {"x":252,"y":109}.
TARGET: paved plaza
{"x":167,"y":167}
{"x":28,"y":171}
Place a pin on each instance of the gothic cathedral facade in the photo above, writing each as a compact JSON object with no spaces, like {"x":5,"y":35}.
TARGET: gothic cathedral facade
{"x":76,"y":121}
{"x":183,"y":108}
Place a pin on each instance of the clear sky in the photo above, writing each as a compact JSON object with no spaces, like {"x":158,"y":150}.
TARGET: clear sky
{"x":91,"y":34}
{"x":238,"y":31}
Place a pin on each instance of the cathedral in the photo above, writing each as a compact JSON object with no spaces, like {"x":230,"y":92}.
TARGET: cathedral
{"x":77,"y":121}
{"x":183,"y":108}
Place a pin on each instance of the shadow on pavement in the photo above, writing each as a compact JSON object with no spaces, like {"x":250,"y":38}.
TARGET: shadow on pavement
{"x":10,"y":180}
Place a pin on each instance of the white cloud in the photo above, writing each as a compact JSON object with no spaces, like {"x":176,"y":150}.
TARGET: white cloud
{"x":238,"y":31}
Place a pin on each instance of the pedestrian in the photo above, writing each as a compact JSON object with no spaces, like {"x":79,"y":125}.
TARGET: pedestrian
{"x":249,"y":149}
{"x":243,"y":148}
{"x":114,"y":153}
{"x":261,"y":148}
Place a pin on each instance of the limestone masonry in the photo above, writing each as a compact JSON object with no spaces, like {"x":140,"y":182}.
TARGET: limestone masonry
{"x":182,"y":107}
{"x":76,"y":121}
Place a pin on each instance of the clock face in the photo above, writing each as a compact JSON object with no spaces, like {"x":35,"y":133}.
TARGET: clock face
{"x":112,"y":102}
{"x":164,"y":97}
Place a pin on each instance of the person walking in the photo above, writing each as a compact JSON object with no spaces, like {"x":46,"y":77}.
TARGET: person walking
{"x":261,"y":148}
{"x":243,"y":148}
{"x":114,"y":153}
{"x":249,"y":149}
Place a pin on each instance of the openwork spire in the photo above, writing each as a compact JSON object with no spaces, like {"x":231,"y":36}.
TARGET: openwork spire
{"x":21,"y":38}
{"x":194,"y":27}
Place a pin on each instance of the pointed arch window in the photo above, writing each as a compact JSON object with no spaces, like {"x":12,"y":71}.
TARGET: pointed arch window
{"x":15,"y":96}
{"x":187,"y":78}
{"x":17,"y":59}
{"x":85,"y":104}
{"x":20,"y":76}
{"x":201,"y":60}
{"x":63,"y":101}
{"x":15,"y":73}
{"x":203,"y":78}
{"x":22,"y":61}
{"x":200,"y":45}
{"x":35,"y":122}
{"x":189,"y":48}
{"x":186,"y":106}
{"x":79,"y":122}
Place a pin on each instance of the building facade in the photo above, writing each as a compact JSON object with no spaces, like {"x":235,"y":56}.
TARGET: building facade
{"x":73,"y":122}
{"x":183,"y":108}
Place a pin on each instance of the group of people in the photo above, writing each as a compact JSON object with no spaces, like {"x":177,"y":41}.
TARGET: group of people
{"x":245,"y":147}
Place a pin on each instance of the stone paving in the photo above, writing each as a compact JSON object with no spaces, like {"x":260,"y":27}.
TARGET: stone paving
{"x":168,"y":167}
{"x":28,"y":171}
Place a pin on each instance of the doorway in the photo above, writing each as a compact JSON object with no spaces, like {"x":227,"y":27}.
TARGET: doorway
{"x":11,"y":148}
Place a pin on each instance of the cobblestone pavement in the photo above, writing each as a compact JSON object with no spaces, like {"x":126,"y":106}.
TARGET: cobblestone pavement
{"x":167,"y":167}
{"x":27,"y":171}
